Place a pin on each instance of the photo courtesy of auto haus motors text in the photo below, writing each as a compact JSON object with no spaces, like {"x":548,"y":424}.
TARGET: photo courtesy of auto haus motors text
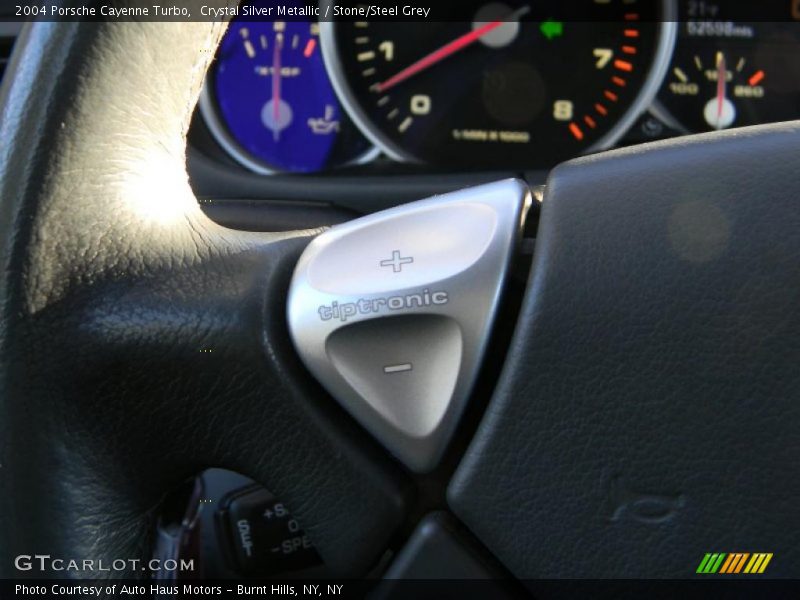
{"x":186,"y":590}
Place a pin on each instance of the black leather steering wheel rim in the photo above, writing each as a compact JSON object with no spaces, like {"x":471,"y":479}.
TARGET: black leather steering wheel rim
{"x":143,"y":343}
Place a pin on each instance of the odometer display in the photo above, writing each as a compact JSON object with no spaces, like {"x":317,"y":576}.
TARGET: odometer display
{"x":515,"y":87}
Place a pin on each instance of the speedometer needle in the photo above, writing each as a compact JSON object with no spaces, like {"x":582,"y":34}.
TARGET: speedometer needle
{"x":448,"y":49}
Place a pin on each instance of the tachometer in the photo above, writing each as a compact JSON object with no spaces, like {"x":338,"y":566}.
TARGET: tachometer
{"x":518,"y":86}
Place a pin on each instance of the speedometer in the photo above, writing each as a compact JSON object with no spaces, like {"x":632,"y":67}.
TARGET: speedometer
{"x":520,"y":85}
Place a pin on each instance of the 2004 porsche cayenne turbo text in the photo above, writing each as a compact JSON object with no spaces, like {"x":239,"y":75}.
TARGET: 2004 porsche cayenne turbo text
{"x":67,"y":12}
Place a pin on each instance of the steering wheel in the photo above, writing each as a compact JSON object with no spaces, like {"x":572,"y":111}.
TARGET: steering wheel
{"x":647,"y":411}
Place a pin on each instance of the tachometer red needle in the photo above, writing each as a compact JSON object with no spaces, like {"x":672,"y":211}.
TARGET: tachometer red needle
{"x":276,"y":85}
{"x":721,"y":77}
{"x":440,"y":54}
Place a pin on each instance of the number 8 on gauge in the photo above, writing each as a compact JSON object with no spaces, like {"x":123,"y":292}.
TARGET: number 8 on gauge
{"x":522,"y":84}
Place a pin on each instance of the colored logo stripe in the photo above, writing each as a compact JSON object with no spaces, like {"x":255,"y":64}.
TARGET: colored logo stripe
{"x":727,"y":564}
{"x":758,"y":563}
{"x":710,"y":563}
{"x":733,"y":563}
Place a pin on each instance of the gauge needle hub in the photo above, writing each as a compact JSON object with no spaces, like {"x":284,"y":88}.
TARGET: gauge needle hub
{"x":447,"y":50}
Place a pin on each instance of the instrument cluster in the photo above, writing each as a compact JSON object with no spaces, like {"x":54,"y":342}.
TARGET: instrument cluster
{"x":521,"y":86}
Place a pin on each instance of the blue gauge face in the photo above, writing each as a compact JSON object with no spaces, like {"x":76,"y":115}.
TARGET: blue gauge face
{"x":276,"y":102}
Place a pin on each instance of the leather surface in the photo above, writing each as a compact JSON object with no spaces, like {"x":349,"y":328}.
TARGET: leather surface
{"x":437,"y":550}
{"x":441,"y":555}
{"x":649,"y":411}
{"x":141,"y":342}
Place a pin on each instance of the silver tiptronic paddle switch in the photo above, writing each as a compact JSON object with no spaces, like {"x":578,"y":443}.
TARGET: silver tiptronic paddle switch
{"x":392,"y":312}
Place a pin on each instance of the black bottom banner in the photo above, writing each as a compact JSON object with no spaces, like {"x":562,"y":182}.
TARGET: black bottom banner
{"x":391,"y":589}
